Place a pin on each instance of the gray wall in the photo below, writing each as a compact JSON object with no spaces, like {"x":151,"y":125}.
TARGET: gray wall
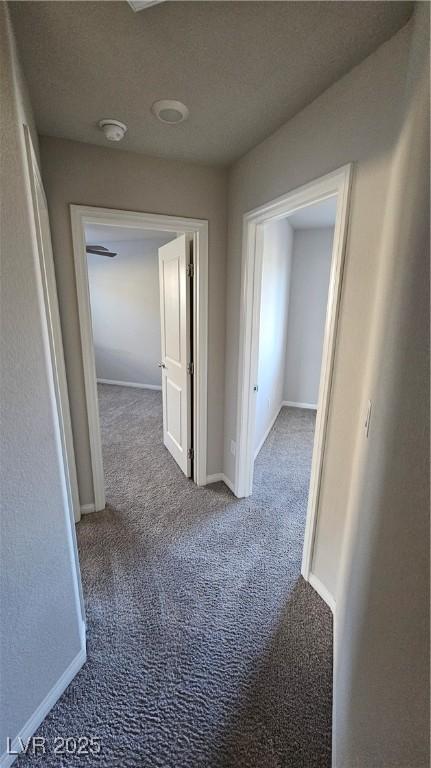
{"x":125,"y":311}
{"x":356,"y":120}
{"x":276,"y":263}
{"x":89,"y":175}
{"x":309,"y":283}
{"x":40,"y":612}
{"x":381,"y":683}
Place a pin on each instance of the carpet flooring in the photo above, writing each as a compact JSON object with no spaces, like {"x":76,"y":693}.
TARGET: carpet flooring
{"x":206,"y":648}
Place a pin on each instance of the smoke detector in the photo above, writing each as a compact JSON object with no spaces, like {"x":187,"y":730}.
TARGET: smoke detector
{"x":170,"y":111}
{"x":113,"y":129}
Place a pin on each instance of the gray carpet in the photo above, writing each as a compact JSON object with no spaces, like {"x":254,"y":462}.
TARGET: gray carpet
{"x":206,"y":649}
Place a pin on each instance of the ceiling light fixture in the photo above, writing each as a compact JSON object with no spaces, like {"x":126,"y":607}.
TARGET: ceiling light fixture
{"x":113,"y":129}
{"x":170,"y":111}
{"x":141,"y":5}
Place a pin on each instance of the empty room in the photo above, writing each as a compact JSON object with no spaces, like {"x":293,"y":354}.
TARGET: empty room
{"x":214,"y":384}
{"x":296,"y":266}
{"x":123,"y":277}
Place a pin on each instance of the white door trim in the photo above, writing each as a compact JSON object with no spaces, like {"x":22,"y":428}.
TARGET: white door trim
{"x":336,"y":183}
{"x":46,"y":275}
{"x":46,"y":262}
{"x":81,"y":216}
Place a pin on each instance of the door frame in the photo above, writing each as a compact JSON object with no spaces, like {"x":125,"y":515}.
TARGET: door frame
{"x":82,"y":215}
{"x":48,"y":292}
{"x":336,"y":183}
{"x":46,"y":262}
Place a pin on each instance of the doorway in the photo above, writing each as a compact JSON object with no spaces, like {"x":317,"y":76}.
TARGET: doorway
{"x":120,"y":345}
{"x":257,"y":410}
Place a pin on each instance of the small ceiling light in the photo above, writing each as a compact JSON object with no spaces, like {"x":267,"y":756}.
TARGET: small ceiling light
{"x":141,"y":5}
{"x":113,"y":129}
{"x":170,"y":111}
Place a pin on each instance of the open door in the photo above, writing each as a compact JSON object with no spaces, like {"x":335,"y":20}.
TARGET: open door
{"x":176,"y":350}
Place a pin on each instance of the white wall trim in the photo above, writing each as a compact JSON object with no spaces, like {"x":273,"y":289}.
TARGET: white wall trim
{"x":44,"y":248}
{"x":333,"y":184}
{"x":52,"y":338}
{"x":291,"y":404}
{"x":133,"y":384}
{"x":82,"y":215}
{"x":273,"y":420}
{"x":228,"y":483}
{"x":87,"y":508}
{"x":88,"y":359}
{"x":321,"y":590}
{"x":220,"y":477}
{"x":45,"y":706}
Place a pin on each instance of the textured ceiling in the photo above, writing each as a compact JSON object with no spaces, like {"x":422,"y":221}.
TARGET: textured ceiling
{"x":242,"y":68}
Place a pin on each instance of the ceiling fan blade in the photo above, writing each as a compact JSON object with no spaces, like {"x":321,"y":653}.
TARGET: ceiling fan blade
{"x":99,"y":250}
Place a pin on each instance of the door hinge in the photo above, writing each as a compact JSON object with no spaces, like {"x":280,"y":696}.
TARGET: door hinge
{"x":190,"y":368}
{"x":190,"y":270}
{"x":190,"y":453}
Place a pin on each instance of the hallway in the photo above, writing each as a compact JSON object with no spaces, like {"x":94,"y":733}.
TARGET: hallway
{"x":206,"y":649}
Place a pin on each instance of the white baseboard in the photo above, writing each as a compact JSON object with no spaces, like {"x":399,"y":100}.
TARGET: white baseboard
{"x":87,"y":508}
{"x":134,"y":384}
{"x":322,"y":591}
{"x":291,"y":404}
{"x":260,"y":446}
{"x":220,"y":477}
{"x":229,"y":484}
{"x":44,"y":707}
{"x":217,"y":478}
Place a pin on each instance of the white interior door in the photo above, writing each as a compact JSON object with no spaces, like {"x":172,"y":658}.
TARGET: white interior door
{"x":176,"y":350}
